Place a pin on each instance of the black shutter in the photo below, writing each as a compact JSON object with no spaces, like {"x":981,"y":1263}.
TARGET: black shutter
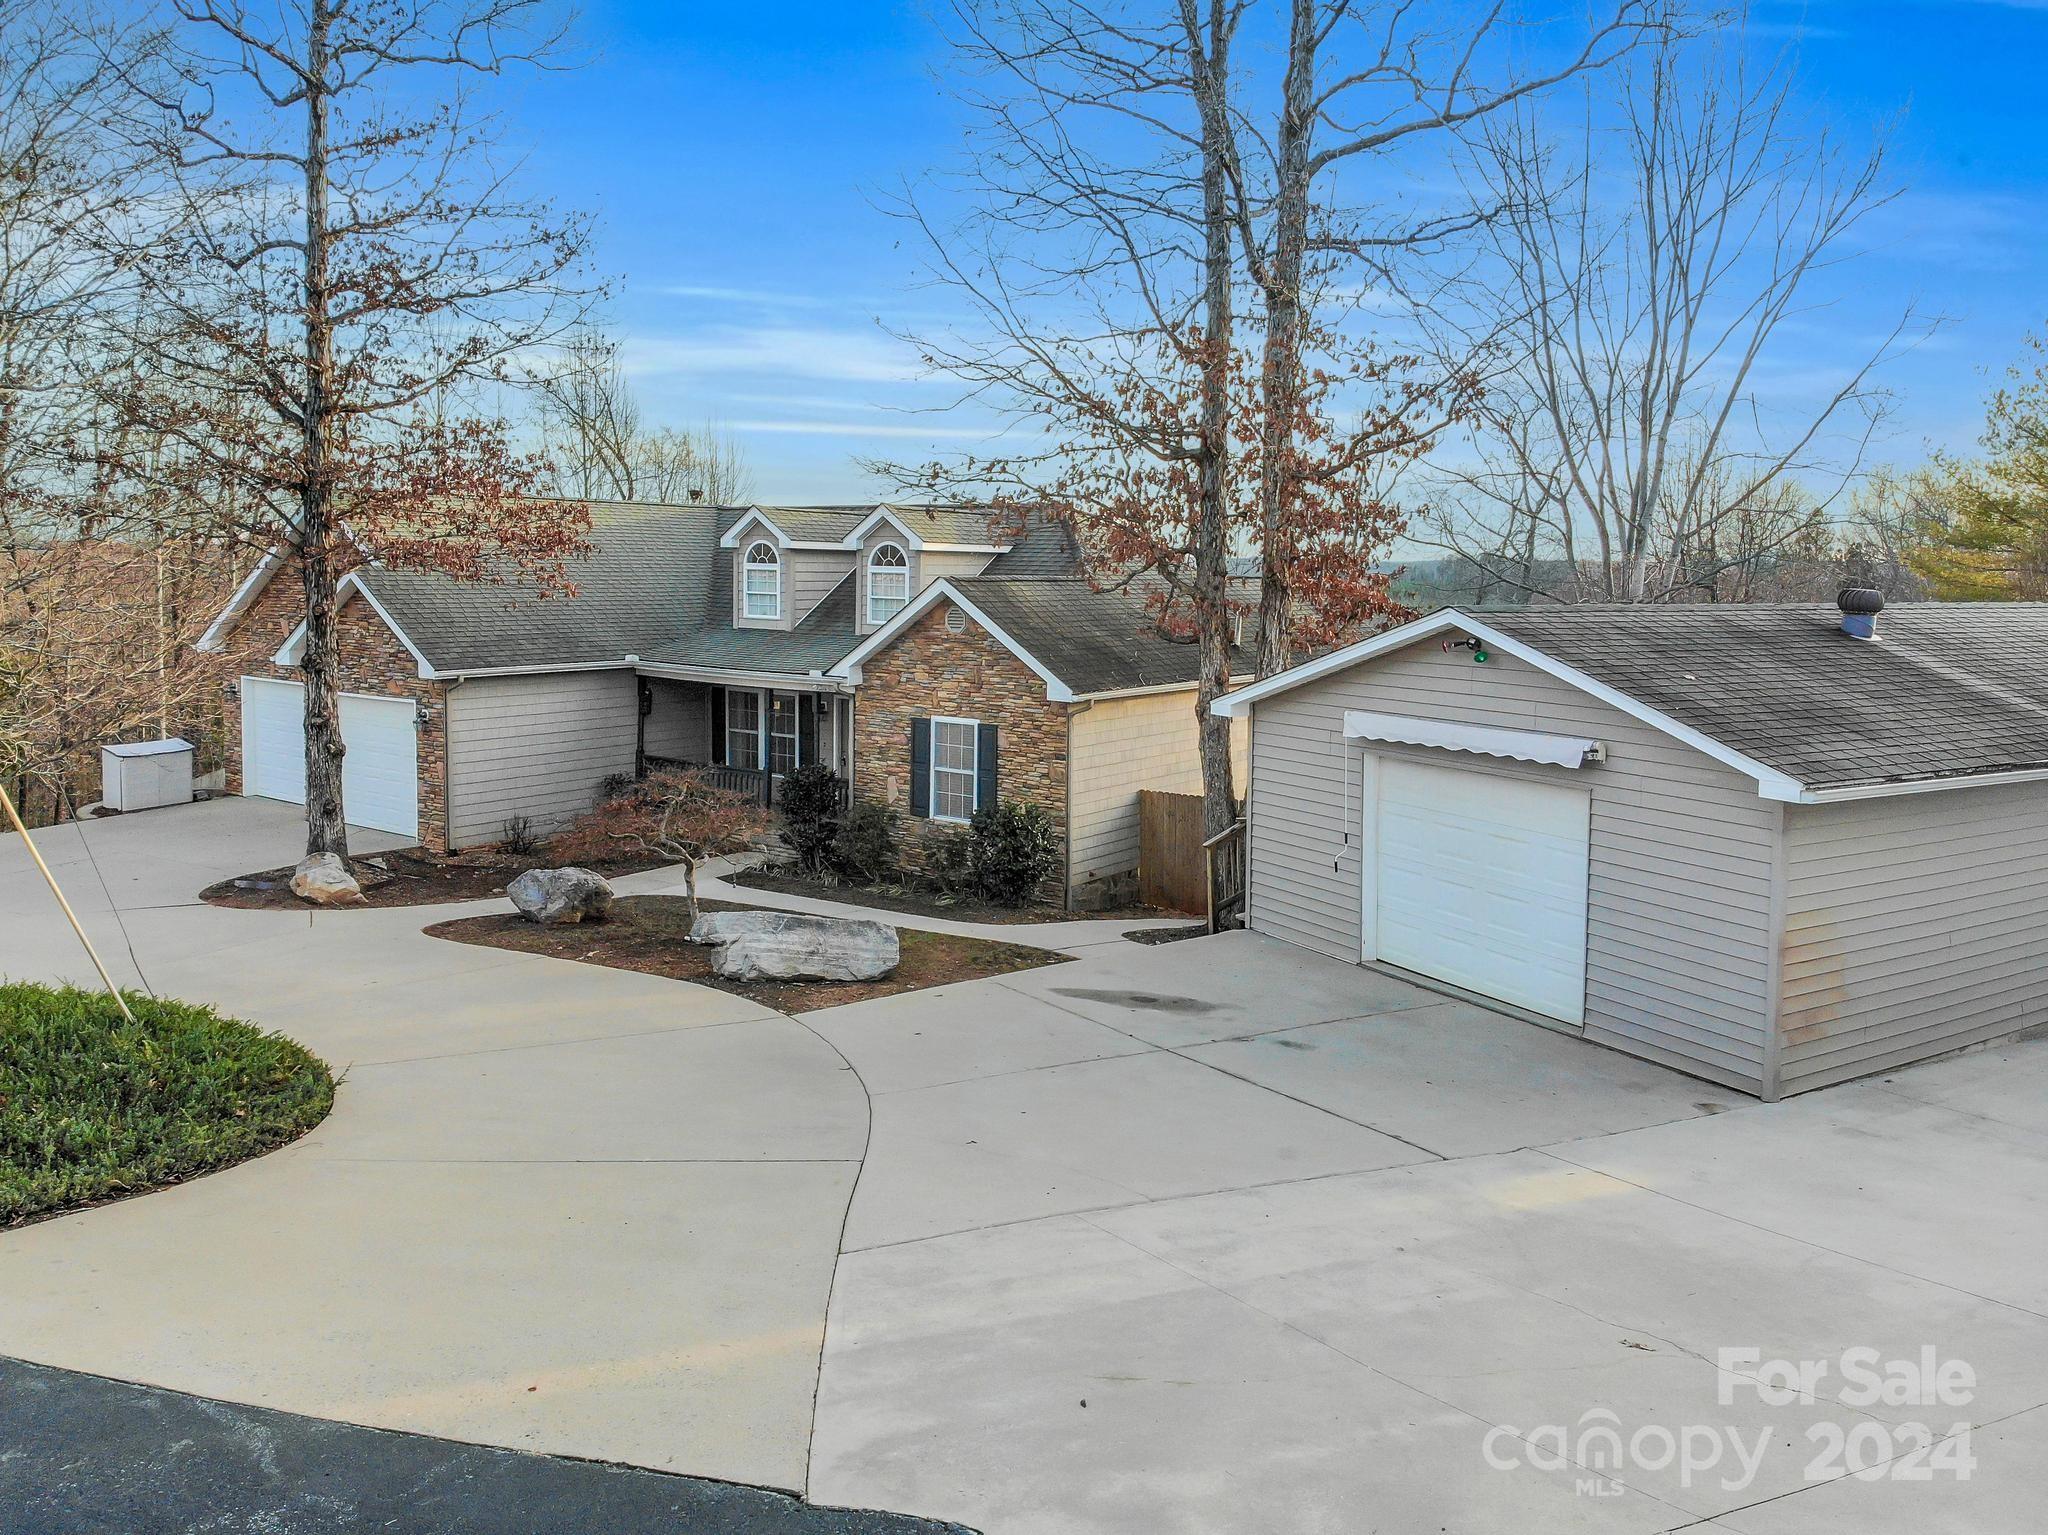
{"x":921,"y":767}
{"x":985,"y":776}
{"x":806,"y":729}
{"x":717,"y":757}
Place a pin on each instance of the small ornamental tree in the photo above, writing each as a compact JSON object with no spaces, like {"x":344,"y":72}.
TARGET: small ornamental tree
{"x":675,"y":813}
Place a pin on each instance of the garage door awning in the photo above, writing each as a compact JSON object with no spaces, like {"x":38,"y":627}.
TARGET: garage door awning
{"x":1486,"y":740}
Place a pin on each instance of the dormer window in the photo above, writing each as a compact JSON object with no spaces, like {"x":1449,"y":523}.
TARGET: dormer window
{"x":763,"y":578}
{"x":888,"y":583}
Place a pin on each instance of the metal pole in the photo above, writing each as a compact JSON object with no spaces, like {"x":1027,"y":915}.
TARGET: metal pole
{"x":69,"y":915}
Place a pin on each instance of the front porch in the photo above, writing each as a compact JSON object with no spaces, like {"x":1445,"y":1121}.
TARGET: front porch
{"x":749,"y":737}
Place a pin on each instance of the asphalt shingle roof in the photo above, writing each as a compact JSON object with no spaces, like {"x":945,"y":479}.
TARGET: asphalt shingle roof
{"x":657,"y":585}
{"x":1947,"y":689}
{"x":1094,"y":642}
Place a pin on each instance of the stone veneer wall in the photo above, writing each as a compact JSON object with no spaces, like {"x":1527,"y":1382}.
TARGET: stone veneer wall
{"x":373,"y":660}
{"x":929,"y":671}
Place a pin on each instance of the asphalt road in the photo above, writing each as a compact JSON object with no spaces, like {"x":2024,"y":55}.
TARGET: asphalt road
{"x":83,"y":1455}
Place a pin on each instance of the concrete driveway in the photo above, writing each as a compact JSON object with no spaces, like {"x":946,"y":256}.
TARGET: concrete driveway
{"x":1210,"y":1236}
{"x":557,"y":1207}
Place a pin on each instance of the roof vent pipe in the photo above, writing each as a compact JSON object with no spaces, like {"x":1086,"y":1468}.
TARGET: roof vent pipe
{"x":1860,"y":606}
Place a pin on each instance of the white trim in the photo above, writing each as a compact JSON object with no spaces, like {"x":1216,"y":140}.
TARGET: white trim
{"x":860,"y":533}
{"x":918,"y":545}
{"x":787,"y":682}
{"x":1144,"y":692}
{"x":1368,"y":857}
{"x":243,"y":599}
{"x":1486,"y":740}
{"x":943,"y":589}
{"x":733,"y":535}
{"x":1919,"y":786}
{"x":870,"y":570}
{"x":293,"y":650}
{"x":1771,"y":784}
{"x":932,"y":770}
{"x":534,"y":671}
{"x":748,"y":565}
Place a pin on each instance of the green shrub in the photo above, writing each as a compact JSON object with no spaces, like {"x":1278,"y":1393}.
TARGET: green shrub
{"x":93,"y":1106}
{"x":810,"y":814}
{"x":864,"y":847}
{"x":949,"y":861}
{"x":1013,"y":849}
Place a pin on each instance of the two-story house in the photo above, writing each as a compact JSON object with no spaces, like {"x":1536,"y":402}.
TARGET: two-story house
{"x":932,"y":659}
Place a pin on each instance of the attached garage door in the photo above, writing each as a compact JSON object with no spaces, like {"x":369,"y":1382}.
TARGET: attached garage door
{"x":1480,"y":880}
{"x":379,"y":775}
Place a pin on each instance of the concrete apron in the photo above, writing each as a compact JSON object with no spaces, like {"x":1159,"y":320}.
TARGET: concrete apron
{"x":557,"y":1207}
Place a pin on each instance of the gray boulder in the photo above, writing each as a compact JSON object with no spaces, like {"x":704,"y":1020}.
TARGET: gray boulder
{"x":783,"y":946}
{"x":325,"y":880}
{"x":557,"y":897}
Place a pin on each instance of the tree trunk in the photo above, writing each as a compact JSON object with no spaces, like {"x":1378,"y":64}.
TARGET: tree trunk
{"x":1212,"y":549}
{"x":326,"y":823}
{"x":1280,"y":367}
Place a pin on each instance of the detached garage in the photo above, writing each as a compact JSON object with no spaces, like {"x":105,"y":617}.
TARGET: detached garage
{"x":1776,"y":847}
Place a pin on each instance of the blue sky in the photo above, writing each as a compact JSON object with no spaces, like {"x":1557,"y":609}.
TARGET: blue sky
{"x":737,"y":154}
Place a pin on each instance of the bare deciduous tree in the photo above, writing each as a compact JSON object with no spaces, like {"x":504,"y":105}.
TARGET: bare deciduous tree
{"x":336,"y":263}
{"x":1098,"y":261}
{"x":1629,"y":430}
{"x":1367,"y":79}
{"x":595,"y":436}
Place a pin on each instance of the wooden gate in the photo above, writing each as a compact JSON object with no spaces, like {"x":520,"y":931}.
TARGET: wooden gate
{"x":1173,"y":871}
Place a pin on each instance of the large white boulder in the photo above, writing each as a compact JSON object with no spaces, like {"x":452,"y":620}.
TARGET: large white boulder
{"x":783,"y":946}
{"x":558,"y":897}
{"x":325,"y":880}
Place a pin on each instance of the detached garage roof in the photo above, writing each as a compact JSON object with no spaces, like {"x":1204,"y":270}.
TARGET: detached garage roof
{"x":1948,"y":693}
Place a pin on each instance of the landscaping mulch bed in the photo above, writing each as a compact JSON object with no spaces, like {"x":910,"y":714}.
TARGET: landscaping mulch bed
{"x":649,"y":933}
{"x":918,"y":903}
{"x":94,"y":1107}
{"x":409,"y":876}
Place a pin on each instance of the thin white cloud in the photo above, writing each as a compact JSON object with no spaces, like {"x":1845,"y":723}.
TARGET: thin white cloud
{"x":774,"y":351}
{"x":722,"y":295}
{"x":866,"y":429}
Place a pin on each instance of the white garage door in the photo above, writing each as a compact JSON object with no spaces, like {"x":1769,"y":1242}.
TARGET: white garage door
{"x":1480,"y":880}
{"x":379,"y":775}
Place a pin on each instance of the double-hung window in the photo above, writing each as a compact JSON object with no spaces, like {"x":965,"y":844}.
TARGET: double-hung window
{"x":888,"y":583}
{"x":954,"y":768}
{"x":742,"y":729}
{"x":762,"y":593}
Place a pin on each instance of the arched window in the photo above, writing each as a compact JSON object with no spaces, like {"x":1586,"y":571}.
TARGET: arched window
{"x":763,"y":590}
{"x":888,"y":583}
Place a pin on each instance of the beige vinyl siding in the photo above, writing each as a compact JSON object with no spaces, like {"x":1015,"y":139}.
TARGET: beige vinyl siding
{"x":1679,"y":922}
{"x":1122,"y":745}
{"x":535,"y":746}
{"x":808,"y":576}
{"x":1913,"y":925}
{"x":679,"y":725}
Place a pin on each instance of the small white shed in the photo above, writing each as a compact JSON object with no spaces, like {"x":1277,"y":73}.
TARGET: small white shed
{"x":142,"y":775}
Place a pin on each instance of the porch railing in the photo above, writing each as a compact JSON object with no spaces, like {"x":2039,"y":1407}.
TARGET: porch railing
{"x":1225,"y":853}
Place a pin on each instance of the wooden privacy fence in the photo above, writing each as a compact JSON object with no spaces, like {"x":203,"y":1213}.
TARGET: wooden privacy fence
{"x":1173,"y":871}
{"x":1182,"y":870}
